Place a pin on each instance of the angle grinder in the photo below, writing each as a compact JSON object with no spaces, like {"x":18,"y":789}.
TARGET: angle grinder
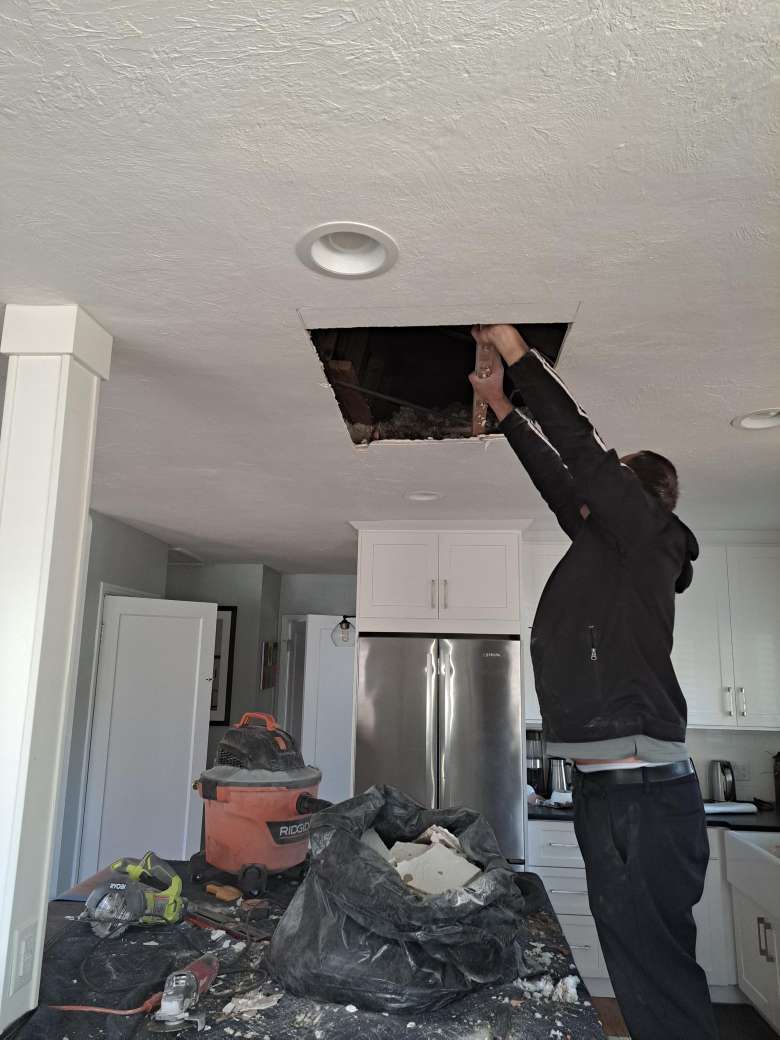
{"x":138,"y":892}
{"x":181,"y":993}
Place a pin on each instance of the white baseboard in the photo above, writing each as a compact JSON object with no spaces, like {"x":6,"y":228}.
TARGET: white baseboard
{"x":727,"y":995}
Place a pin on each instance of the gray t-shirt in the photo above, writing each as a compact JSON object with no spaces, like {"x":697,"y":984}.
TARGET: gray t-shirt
{"x":647,"y":748}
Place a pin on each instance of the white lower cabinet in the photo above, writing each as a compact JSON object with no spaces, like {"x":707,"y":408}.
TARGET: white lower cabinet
{"x":758,"y":956}
{"x":553,"y":854}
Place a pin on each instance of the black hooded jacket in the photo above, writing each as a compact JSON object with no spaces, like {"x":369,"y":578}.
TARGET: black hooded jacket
{"x":602,"y":636}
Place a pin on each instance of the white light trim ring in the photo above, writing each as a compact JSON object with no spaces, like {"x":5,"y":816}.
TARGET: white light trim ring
{"x":344,"y":249}
{"x":764,"y":419}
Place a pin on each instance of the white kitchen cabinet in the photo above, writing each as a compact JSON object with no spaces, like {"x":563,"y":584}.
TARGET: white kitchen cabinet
{"x":754,"y":586}
{"x":553,"y":854}
{"x":399,"y":574}
{"x":457,"y":578}
{"x":726,"y":637}
{"x":478,"y":575}
{"x":758,"y":956}
{"x":702,"y":655}
{"x":714,"y":920}
{"x":539,"y":561}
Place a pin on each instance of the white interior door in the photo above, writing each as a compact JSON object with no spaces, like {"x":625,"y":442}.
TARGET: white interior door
{"x":329,"y":707}
{"x":149,"y":730}
{"x":289,"y":709}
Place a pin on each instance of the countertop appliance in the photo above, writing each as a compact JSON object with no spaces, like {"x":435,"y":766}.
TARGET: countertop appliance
{"x":441,"y":719}
{"x":722,"y":785}
{"x":534,"y":760}
{"x":560,"y":776}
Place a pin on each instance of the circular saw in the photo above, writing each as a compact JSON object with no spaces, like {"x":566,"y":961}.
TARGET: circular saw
{"x":138,"y":892}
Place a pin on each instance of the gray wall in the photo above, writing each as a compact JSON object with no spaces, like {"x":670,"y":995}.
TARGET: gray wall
{"x":254,"y":590}
{"x":118,"y":555}
{"x":318,"y":594}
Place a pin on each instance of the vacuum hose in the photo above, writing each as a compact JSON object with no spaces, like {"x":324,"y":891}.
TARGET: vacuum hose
{"x":306,"y":805}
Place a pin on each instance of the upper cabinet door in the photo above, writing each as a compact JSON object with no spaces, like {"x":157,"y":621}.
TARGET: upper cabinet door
{"x":702,"y":643}
{"x":754,"y":586}
{"x":398,"y":575}
{"x":539,"y":561}
{"x":478,"y":575}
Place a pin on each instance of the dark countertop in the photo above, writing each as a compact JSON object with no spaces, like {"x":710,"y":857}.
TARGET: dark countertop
{"x":760,"y":821}
{"x":123,"y":971}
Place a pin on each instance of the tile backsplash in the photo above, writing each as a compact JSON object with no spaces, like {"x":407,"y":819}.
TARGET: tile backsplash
{"x":741,"y":747}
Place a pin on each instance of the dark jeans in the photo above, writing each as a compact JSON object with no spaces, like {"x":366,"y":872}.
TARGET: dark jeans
{"x":646,"y":850}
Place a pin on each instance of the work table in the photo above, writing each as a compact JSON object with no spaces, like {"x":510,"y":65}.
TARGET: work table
{"x":125,"y":970}
{"x":760,"y":821}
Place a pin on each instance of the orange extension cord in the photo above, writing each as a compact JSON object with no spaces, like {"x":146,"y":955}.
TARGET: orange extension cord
{"x":148,"y":1005}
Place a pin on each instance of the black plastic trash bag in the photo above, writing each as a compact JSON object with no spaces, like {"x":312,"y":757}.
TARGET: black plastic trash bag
{"x":356,"y":933}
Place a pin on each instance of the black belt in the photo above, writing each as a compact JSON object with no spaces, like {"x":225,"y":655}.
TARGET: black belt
{"x":645,"y":774}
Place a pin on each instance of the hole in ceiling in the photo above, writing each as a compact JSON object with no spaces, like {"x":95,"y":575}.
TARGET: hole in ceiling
{"x":411,"y":383}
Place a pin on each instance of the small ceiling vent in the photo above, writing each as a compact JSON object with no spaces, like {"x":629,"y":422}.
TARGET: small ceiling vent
{"x":411,"y":382}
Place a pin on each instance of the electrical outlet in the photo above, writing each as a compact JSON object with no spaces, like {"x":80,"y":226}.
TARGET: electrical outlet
{"x":741,"y":770}
{"x":24,"y":956}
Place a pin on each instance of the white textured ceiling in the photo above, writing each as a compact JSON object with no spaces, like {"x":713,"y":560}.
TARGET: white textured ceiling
{"x":160,"y":159}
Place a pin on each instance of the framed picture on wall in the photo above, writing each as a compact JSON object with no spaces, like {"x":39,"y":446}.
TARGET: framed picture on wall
{"x":222,"y":681}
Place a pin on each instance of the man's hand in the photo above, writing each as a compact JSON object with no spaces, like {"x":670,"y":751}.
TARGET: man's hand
{"x":491,"y":390}
{"x":505,"y":338}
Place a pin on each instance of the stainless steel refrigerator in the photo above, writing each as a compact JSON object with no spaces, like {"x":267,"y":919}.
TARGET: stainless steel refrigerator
{"x":441,"y":719}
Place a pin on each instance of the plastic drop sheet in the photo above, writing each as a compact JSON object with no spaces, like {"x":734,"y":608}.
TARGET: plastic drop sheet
{"x":355,"y":933}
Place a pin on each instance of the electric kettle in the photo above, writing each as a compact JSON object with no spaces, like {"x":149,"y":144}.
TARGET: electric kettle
{"x":722,"y":786}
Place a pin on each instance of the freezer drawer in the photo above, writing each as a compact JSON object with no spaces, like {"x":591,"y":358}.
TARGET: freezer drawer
{"x":396,"y":716}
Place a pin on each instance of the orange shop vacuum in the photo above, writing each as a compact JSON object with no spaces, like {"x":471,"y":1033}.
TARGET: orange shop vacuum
{"x":259,"y":799}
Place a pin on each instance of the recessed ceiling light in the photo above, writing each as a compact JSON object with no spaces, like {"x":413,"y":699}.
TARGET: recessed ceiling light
{"x":764,"y":419}
{"x":423,"y":496}
{"x":344,"y":249}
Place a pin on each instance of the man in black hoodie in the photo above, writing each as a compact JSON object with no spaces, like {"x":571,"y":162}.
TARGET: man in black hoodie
{"x":601,"y":644}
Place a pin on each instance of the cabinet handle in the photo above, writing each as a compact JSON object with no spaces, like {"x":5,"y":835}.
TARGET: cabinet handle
{"x":580,"y":947}
{"x":433,"y":593}
{"x":768,"y":926}
{"x":565,"y":892}
{"x":444,"y":594}
{"x":743,"y":709}
{"x":761,"y":923}
{"x":729,"y":690}
{"x":563,"y":845}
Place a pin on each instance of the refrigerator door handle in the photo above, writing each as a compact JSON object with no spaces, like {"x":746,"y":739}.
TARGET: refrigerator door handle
{"x":431,"y":729}
{"x":445,"y":710}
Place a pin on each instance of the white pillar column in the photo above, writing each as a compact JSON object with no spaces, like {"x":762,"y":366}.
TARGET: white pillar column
{"x":57,"y":359}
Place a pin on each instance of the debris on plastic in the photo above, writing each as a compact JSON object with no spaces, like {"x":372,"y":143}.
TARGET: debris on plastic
{"x":354,"y":932}
{"x":564,"y":991}
{"x":249,"y":1003}
{"x":437,"y":870}
{"x":436,"y":835}
{"x":372,"y":839}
